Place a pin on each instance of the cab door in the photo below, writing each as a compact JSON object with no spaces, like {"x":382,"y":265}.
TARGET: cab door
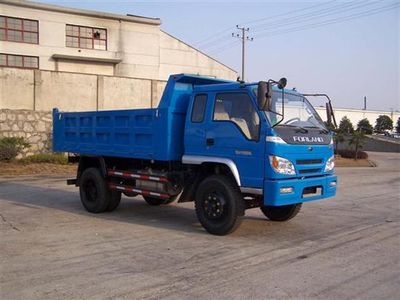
{"x":233,"y":131}
{"x":195,"y":130}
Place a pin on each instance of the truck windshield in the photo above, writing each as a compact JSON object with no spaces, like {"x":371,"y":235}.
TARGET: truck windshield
{"x":296,"y":111}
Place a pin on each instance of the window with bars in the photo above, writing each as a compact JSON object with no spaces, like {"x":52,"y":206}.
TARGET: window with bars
{"x":19,"y":61}
{"x":19,"y":30}
{"x":86,"y":37}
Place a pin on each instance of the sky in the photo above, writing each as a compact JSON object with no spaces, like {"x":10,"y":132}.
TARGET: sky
{"x":347,"y":49}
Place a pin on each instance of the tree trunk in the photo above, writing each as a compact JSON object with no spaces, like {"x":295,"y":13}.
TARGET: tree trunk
{"x":355,"y":158}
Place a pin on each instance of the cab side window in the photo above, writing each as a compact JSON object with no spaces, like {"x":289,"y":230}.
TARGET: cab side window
{"x":199,"y":108}
{"x":238,"y":109}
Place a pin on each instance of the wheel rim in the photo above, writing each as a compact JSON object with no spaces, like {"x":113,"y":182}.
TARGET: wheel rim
{"x":90,"y":191}
{"x":214,"y":205}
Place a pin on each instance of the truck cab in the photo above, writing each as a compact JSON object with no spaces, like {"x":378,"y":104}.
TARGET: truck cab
{"x":283,"y":154}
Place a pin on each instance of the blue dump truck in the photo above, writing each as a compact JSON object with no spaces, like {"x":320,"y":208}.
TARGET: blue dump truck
{"x":226,"y":145}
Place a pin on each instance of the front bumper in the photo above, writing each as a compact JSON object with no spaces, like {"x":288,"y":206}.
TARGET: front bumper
{"x":325,"y":185}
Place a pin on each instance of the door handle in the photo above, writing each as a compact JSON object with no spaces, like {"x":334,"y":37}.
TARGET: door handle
{"x":209,"y":141}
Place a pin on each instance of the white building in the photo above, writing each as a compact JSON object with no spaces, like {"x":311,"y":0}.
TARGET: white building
{"x":53,"y":38}
{"x":355,"y":115}
{"x":49,"y":37}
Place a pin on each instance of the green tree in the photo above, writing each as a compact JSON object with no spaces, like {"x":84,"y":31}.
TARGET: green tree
{"x":357,"y":140}
{"x":398,"y":126}
{"x":383,"y":123}
{"x":330,"y":127}
{"x":338,"y":138}
{"x":345,"y":126}
{"x":365,"y":126}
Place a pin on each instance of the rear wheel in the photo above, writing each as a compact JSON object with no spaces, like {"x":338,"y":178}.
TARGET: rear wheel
{"x":93,"y":190}
{"x":115,"y":200}
{"x":281,"y":213}
{"x":158,"y":201}
{"x":219,"y":205}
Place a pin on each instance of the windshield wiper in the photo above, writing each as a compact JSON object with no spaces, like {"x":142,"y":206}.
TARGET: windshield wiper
{"x":322,"y":130}
{"x":299,"y":128}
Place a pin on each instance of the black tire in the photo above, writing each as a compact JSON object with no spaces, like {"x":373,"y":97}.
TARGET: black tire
{"x":281,"y":213}
{"x":153,"y":201}
{"x":219,"y":205}
{"x":115,"y":200}
{"x":95,"y":195}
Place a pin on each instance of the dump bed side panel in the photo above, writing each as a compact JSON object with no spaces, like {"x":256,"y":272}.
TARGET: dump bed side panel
{"x":137,"y":133}
{"x":121,"y":133}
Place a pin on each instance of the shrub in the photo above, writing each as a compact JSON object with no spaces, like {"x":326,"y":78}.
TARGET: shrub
{"x":52,"y":158}
{"x":10,"y":147}
{"x":347,"y":153}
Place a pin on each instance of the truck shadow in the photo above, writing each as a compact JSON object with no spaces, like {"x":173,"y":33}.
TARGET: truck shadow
{"x":178,"y":217}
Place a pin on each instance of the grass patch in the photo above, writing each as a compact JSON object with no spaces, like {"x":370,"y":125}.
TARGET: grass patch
{"x":51,"y":158}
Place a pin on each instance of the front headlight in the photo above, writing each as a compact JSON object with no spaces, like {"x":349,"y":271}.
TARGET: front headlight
{"x":330,"y":164}
{"x":281,"y":165}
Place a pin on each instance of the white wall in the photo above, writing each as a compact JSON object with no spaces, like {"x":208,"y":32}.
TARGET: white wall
{"x":145,"y":51}
{"x":44,"y":90}
{"x":16,"y":88}
{"x":355,"y":115}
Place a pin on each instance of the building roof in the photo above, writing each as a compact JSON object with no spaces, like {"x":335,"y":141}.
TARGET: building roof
{"x":83,"y":12}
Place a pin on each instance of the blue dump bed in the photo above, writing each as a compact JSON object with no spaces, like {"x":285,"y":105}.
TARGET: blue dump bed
{"x":138,"y":133}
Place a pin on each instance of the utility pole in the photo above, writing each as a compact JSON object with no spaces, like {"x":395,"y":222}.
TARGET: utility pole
{"x":244,"y":38}
{"x":365,"y":102}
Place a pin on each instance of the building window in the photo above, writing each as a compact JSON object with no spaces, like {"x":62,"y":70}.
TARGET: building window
{"x":19,"y":30}
{"x":86,"y":37}
{"x":19,"y":61}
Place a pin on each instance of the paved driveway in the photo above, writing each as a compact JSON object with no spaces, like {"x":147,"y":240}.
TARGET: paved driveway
{"x":342,"y":248}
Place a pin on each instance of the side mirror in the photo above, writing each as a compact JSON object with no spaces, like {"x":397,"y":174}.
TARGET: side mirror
{"x":264,"y":95}
{"x":282,"y":83}
{"x":328,"y":114}
{"x":262,"y":90}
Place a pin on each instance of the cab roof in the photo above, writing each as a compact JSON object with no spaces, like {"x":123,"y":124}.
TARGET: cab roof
{"x":207,"y":84}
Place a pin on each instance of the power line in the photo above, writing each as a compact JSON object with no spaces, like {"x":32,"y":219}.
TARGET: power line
{"x":224,"y":48}
{"x":215,"y":37}
{"x":309,"y":17}
{"x":332,"y":10}
{"x":287,"y":13}
{"x":317,"y":25}
{"x":321,"y":23}
{"x":332,"y":21}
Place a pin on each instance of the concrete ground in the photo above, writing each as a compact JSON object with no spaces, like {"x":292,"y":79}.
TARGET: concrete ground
{"x":341,"y":248}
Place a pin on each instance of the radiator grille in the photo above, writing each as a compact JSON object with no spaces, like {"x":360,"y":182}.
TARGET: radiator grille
{"x":308,"y":171}
{"x":308,"y":161}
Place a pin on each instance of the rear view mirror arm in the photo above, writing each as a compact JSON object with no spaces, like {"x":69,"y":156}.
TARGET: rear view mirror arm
{"x":329,"y":104}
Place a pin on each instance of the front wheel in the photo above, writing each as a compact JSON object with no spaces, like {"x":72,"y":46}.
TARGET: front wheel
{"x":219,"y":205}
{"x":281,"y":213}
